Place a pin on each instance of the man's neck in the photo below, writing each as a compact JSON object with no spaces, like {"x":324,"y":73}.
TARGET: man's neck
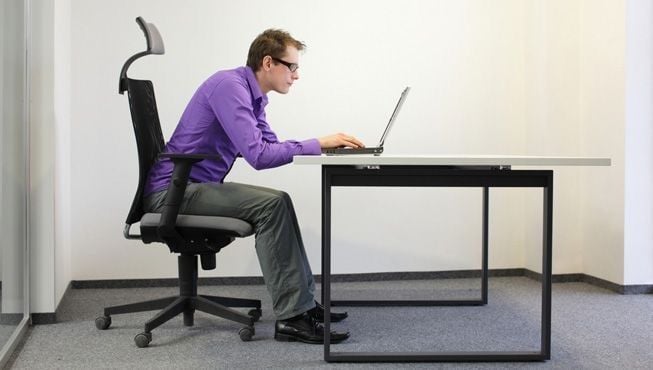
{"x":259,"y":78}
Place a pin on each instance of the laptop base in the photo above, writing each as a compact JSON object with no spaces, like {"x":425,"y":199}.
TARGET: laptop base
{"x":352,"y":151}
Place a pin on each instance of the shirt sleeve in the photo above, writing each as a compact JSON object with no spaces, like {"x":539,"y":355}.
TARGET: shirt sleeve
{"x":231,"y":103}
{"x":266,"y":131}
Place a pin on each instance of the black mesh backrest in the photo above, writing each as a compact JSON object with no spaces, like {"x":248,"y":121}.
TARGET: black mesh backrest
{"x":149,"y":138}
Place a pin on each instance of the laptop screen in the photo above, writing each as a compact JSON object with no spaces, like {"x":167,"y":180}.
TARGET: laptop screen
{"x":394,"y":115}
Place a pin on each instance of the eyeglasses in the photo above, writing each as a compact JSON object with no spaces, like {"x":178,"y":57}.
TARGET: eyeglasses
{"x":291,"y":66}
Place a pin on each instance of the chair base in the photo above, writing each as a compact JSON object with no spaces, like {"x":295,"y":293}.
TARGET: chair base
{"x":186,"y":302}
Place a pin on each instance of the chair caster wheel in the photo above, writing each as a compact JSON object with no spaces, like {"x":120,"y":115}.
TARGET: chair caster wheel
{"x":103,"y":322}
{"x":255,"y":314}
{"x":142,"y":340}
{"x":246,"y":333}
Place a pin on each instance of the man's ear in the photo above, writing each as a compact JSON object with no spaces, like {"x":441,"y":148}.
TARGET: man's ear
{"x":266,"y":63}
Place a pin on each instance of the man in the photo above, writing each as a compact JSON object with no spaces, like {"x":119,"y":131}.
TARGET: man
{"x":226,"y":115}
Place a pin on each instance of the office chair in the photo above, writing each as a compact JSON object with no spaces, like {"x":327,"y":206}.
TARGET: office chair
{"x":187,"y":235}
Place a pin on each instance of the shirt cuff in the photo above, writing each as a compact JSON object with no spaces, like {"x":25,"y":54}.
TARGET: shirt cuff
{"x":311,"y":147}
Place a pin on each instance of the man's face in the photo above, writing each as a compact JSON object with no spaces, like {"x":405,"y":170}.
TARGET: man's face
{"x":280,"y":76}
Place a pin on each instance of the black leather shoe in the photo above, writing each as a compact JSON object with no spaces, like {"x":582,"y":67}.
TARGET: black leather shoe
{"x":318,"y":314}
{"x":304,"y":329}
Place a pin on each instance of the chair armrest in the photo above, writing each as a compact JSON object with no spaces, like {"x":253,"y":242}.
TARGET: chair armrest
{"x":183,"y":164}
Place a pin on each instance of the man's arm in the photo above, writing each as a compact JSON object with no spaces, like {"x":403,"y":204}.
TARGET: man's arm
{"x":331,"y":141}
{"x":231,"y":103}
{"x":268,"y":134}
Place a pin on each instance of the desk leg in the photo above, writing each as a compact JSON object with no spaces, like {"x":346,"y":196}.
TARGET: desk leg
{"x":484,"y":268}
{"x":547,"y":251}
{"x":467,"y":356}
{"x":326,"y":259}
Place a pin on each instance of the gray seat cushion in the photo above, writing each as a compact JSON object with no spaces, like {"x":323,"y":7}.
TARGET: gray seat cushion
{"x":230,"y":226}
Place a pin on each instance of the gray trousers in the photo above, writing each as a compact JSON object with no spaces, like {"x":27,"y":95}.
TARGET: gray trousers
{"x":278,"y":241}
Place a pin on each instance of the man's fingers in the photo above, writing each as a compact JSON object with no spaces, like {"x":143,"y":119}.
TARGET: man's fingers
{"x":358,"y":142}
{"x":348,"y":143}
{"x":340,"y":140}
{"x":353,"y":142}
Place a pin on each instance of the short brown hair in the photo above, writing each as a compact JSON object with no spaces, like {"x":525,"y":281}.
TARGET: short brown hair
{"x":272,"y":42}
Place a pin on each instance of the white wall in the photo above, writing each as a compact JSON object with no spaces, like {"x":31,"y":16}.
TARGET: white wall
{"x":62,"y":137}
{"x":551,"y":125}
{"x":42,"y":151}
{"x":638,"y":212}
{"x":464,"y":60}
{"x":509,"y":77}
{"x":602,"y":81}
{"x":576,"y":106}
{"x":12,"y":156}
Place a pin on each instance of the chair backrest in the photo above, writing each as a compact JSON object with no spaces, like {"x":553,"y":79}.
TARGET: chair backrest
{"x":149,"y":138}
{"x":145,"y":116}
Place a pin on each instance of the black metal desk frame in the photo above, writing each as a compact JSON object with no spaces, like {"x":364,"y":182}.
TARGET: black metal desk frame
{"x":484,"y":177}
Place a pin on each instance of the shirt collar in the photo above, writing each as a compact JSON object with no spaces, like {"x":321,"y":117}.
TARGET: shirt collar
{"x":254,"y":88}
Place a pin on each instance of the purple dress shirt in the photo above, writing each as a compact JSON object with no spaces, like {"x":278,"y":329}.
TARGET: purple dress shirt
{"x":226,"y":116}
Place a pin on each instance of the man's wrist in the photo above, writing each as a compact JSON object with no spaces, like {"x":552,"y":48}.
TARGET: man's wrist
{"x":311,"y":147}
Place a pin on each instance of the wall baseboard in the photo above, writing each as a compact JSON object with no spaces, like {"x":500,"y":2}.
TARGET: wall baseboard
{"x":377,"y":276}
{"x":51,"y":317}
{"x":44,"y":318}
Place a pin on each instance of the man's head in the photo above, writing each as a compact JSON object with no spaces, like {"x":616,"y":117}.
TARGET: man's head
{"x":274,"y":58}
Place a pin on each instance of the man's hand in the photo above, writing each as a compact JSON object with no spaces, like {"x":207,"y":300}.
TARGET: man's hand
{"x":340,"y":140}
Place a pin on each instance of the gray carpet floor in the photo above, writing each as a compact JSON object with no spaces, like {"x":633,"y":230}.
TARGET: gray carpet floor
{"x":592,"y":328}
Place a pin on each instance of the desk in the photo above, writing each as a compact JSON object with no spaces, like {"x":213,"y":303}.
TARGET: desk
{"x":440,"y":171}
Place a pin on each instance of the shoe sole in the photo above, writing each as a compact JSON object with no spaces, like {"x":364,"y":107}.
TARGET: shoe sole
{"x":332,"y":320}
{"x":290,"y":338}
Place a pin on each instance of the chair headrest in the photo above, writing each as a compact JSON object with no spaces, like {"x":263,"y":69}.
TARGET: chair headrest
{"x":154,"y":46}
{"x":152,"y":36}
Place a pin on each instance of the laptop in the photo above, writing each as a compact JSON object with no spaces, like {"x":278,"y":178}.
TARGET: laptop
{"x":378,"y":149}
